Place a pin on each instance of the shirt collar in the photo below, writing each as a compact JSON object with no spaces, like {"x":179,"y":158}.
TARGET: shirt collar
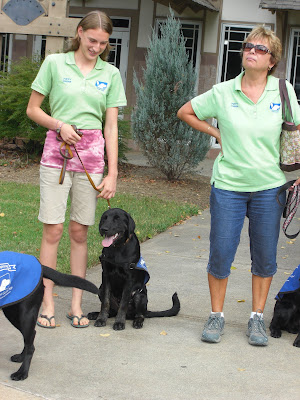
{"x":70,"y":59}
{"x":272,"y":82}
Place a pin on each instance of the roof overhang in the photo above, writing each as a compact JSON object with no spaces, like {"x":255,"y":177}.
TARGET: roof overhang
{"x":195,"y":5}
{"x":280,"y":5}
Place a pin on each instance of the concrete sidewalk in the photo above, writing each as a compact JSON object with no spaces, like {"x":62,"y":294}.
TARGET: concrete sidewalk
{"x":165,"y":360}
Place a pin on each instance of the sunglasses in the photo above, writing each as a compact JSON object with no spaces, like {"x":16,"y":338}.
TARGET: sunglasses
{"x":259,"y":48}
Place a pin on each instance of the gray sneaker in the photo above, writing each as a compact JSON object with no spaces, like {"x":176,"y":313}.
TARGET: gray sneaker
{"x":213,"y":329}
{"x":257,"y":331}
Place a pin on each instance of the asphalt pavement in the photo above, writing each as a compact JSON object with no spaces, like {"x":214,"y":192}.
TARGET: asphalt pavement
{"x":165,"y":360}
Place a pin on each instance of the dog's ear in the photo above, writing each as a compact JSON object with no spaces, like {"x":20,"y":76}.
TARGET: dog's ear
{"x":131,"y":225}
{"x":102,"y":219}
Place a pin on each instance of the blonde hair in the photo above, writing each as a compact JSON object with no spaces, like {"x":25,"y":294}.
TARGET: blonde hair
{"x":93,"y":20}
{"x":260,"y":32}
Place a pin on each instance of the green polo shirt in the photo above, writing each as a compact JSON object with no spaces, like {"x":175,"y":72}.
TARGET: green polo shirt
{"x":77,"y":99}
{"x":250,"y":134}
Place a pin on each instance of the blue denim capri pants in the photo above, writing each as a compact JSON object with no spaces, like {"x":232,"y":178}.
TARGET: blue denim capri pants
{"x":228,"y":211}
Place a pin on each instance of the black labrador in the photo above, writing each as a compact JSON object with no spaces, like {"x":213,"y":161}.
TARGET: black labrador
{"x":24,"y":313}
{"x":287,"y":316}
{"x":123,"y":292}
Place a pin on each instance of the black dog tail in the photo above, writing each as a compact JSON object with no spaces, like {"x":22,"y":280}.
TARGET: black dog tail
{"x":167,"y":313}
{"x":61,"y":279}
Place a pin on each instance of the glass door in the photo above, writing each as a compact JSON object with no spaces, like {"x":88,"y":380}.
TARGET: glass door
{"x":293,"y":67}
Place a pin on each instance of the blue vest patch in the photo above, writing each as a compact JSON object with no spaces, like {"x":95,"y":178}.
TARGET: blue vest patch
{"x":19,"y":276}
{"x":291,"y":284}
{"x":142,"y":265}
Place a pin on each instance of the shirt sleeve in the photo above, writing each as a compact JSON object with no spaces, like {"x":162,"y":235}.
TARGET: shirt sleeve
{"x":43,"y":80}
{"x":116,"y":94}
{"x":204,"y":105}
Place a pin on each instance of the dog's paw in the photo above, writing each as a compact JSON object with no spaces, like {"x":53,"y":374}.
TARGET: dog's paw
{"x":18,"y":358}
{"x":297,"y":341}
{"x":119,"y":326}
{"x":138,"y":323}
{"x":275,"y":333}
{"x":19,"y":376}
{"x":100,"y":322}
{"x":92,"y":316}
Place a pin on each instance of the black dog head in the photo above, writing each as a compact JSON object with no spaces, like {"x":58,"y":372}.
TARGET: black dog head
{"x":116,"y":225}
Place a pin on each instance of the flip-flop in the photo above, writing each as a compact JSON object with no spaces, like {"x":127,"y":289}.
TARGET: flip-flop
{"x":71,"y":317}
{"x":48,"y":319}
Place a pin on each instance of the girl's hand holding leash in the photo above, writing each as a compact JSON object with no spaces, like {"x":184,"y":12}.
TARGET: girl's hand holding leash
{"x":108,"y":187}
{"x":68,"y":134}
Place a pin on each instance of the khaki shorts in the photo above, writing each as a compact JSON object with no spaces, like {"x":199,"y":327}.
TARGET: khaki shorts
{"x":54,"y":197}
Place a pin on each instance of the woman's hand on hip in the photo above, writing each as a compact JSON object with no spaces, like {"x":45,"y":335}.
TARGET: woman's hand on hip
{"x":297,"y":182}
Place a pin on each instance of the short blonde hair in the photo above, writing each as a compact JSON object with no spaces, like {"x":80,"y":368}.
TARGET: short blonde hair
{"x":260,"y":32}
{"x":93,"y":20}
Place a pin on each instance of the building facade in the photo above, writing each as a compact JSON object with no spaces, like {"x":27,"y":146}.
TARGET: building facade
{"x":214,"y":31}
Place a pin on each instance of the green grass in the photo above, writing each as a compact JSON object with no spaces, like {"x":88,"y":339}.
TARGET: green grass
{"x":21,"y":231}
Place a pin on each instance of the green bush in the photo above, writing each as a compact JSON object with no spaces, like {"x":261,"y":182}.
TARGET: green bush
{"x":14,"y":95}
{"x":15,"y":90}
{"x":168,"y":82}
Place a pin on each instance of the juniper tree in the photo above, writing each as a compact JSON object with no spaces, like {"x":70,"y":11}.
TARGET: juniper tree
{"x":168,"y":82}
{"x":14,"y":95}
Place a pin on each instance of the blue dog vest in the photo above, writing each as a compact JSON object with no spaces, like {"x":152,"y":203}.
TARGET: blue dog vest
{"x":20,"y":274}
{"x":291,"y":284}
{"x":142,"y":265}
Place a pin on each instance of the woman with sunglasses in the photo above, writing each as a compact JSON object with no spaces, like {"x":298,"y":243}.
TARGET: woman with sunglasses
{"x":246,"y":175}
{"x":83,"y":88}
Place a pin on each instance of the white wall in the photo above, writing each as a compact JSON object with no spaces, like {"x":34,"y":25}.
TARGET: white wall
{"x":246,"y":11}
{"x":211,"y":32}
{"x":145,"y":23}
{"x":127,"y":4}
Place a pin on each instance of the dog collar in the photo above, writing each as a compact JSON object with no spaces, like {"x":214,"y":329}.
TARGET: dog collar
{"x":141,"y":265}
{"x":123,"y":244}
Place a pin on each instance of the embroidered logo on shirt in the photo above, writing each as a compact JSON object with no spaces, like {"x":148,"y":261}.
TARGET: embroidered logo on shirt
{"x":234,"y":105}
{"x":67,"y":80}
{"x":275,"y":107}
{"x":101,"y":85}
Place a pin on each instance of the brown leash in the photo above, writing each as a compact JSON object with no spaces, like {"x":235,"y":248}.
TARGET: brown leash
{"x":67,"y":155}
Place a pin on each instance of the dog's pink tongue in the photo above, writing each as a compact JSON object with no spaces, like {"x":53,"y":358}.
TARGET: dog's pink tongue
{"x":107,"y":241}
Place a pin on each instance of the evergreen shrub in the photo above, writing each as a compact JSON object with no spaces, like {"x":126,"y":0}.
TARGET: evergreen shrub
{"x":15,"y":90}
{"x":169,"y":81}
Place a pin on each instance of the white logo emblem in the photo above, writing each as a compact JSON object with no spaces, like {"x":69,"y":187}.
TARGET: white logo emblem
{"x":275,"y":106}
{"x":101,"y":85}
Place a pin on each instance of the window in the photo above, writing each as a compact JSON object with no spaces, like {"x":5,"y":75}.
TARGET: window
{"x":6,"y":52}
{"x":192,"y":33}
{"x":230,"y":63}
{"x":293,"y":67}
{"x":115,"y":53}
{"x":39,"y":46}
